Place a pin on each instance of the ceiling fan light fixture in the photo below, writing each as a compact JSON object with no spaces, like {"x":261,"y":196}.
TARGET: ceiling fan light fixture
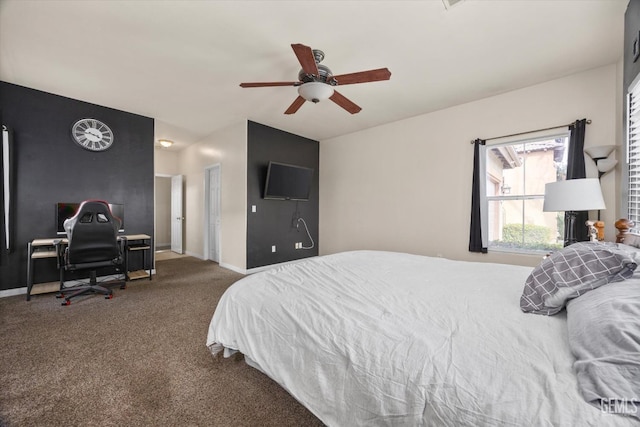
{"x":315,"y":91}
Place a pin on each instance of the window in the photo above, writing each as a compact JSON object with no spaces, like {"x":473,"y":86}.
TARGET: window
{"x":516,"y":175}
{"x":633,"y":153}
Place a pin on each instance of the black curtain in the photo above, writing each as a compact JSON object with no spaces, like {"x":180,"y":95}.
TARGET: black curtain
{"x":475,"y":237}
{"x":576,"y":170}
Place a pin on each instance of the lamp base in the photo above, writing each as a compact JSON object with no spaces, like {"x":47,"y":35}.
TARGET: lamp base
{"x":570,"y":223}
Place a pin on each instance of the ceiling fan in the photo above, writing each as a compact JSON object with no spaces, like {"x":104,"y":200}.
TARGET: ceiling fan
{"x":316,"y":82}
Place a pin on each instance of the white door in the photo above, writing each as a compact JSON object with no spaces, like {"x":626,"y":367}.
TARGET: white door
{"x":214,"y":213}
{"x":176,"y":213}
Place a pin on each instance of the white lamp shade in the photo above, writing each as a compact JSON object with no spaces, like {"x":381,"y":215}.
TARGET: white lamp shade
{"x":600,"y":151}
{"x":315,"y":91}
{"x":573,"y":195}
{"x":605,"y":165}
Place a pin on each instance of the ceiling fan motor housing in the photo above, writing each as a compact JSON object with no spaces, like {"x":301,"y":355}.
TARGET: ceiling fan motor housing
{"x":324,"y":76}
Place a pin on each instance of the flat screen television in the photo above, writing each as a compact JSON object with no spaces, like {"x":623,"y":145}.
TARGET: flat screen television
{"x":67,"y":210}
{"x":287,"y":182}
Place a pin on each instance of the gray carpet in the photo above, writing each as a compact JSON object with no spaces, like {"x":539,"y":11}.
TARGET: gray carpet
{"x":137,"y":359}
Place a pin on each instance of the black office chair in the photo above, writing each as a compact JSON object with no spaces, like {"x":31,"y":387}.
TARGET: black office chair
{"x":93,"y":243}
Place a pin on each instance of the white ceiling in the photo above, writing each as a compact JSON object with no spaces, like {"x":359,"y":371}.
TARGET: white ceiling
{"x":181,"y":62}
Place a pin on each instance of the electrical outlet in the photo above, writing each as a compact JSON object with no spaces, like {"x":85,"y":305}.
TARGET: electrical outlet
{"x":273,"y":248}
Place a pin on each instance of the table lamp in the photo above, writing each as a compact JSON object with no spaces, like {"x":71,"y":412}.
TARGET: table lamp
{"x":570,"y":196}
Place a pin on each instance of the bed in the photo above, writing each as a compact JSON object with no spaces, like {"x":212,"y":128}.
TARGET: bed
{"x":391,"y":339}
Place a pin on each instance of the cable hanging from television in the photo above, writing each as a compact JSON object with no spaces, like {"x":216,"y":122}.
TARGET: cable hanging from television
{"x":308,"y":234}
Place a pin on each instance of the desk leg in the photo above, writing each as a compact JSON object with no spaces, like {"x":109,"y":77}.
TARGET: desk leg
{"x":29,"y":271}
{"x":125,"y":249}
{"x":150,"y":258}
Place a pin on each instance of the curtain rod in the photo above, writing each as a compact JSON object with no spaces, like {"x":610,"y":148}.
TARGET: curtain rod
{"x":531,"y":131}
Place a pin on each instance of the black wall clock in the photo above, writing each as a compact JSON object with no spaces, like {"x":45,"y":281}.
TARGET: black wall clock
{"x":92,"y":134}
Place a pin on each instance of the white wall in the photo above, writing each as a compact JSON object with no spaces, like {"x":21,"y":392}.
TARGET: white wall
{"x":227,"y":147}
{"x":406,"y":186}
{"x":165,"y":162}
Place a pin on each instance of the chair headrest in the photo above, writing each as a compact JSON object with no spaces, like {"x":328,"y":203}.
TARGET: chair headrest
{"x":92,"y":212}
{"x":92,"y":233}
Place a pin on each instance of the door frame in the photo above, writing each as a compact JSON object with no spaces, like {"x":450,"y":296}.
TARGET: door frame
{"x":178,"y":204}
{"x":155,"y":207}
{"x":164,"y":175}
{"x":207,"y":211}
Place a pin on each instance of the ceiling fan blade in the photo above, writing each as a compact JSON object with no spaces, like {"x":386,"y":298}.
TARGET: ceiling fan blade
{"x":266,"y":84}
{"x":296,"y":105}
{"x":342,"y":101}
{"x":306,"y":58}
{"x":363,"y":76}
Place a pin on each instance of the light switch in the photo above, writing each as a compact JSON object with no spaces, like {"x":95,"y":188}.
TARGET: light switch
{"x":253,"y":208}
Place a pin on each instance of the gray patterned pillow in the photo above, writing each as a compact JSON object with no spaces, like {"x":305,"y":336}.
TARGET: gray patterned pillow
{"x":572,"y":271}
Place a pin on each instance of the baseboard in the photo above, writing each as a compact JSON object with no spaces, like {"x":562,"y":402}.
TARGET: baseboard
{"x":193,"y":254}
{"x":23,"y":291}
{"x":13,"y":292}
{"x":259,"y":269}
{"x":221,"y":264}
{"x":232,"y":268}
{"x":269,"y":267}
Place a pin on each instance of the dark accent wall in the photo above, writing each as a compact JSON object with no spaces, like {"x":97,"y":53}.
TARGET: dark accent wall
{"x":50,"y":168}
{"x":631,"y":34}
{"x":273,"y":222}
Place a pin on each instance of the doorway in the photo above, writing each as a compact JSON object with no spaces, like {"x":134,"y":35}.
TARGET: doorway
{"x":212,"y":213}
{"x":168,"y":213}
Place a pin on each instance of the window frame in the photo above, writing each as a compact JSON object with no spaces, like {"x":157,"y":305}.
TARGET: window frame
{"x":485,"y":199}
{"x":631,"y":177}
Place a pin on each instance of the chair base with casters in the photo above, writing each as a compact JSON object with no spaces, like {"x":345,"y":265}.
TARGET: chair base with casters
{"x":92,"y":288}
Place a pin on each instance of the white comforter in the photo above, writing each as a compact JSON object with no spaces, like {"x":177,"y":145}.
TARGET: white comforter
{"x":379,"y":338}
